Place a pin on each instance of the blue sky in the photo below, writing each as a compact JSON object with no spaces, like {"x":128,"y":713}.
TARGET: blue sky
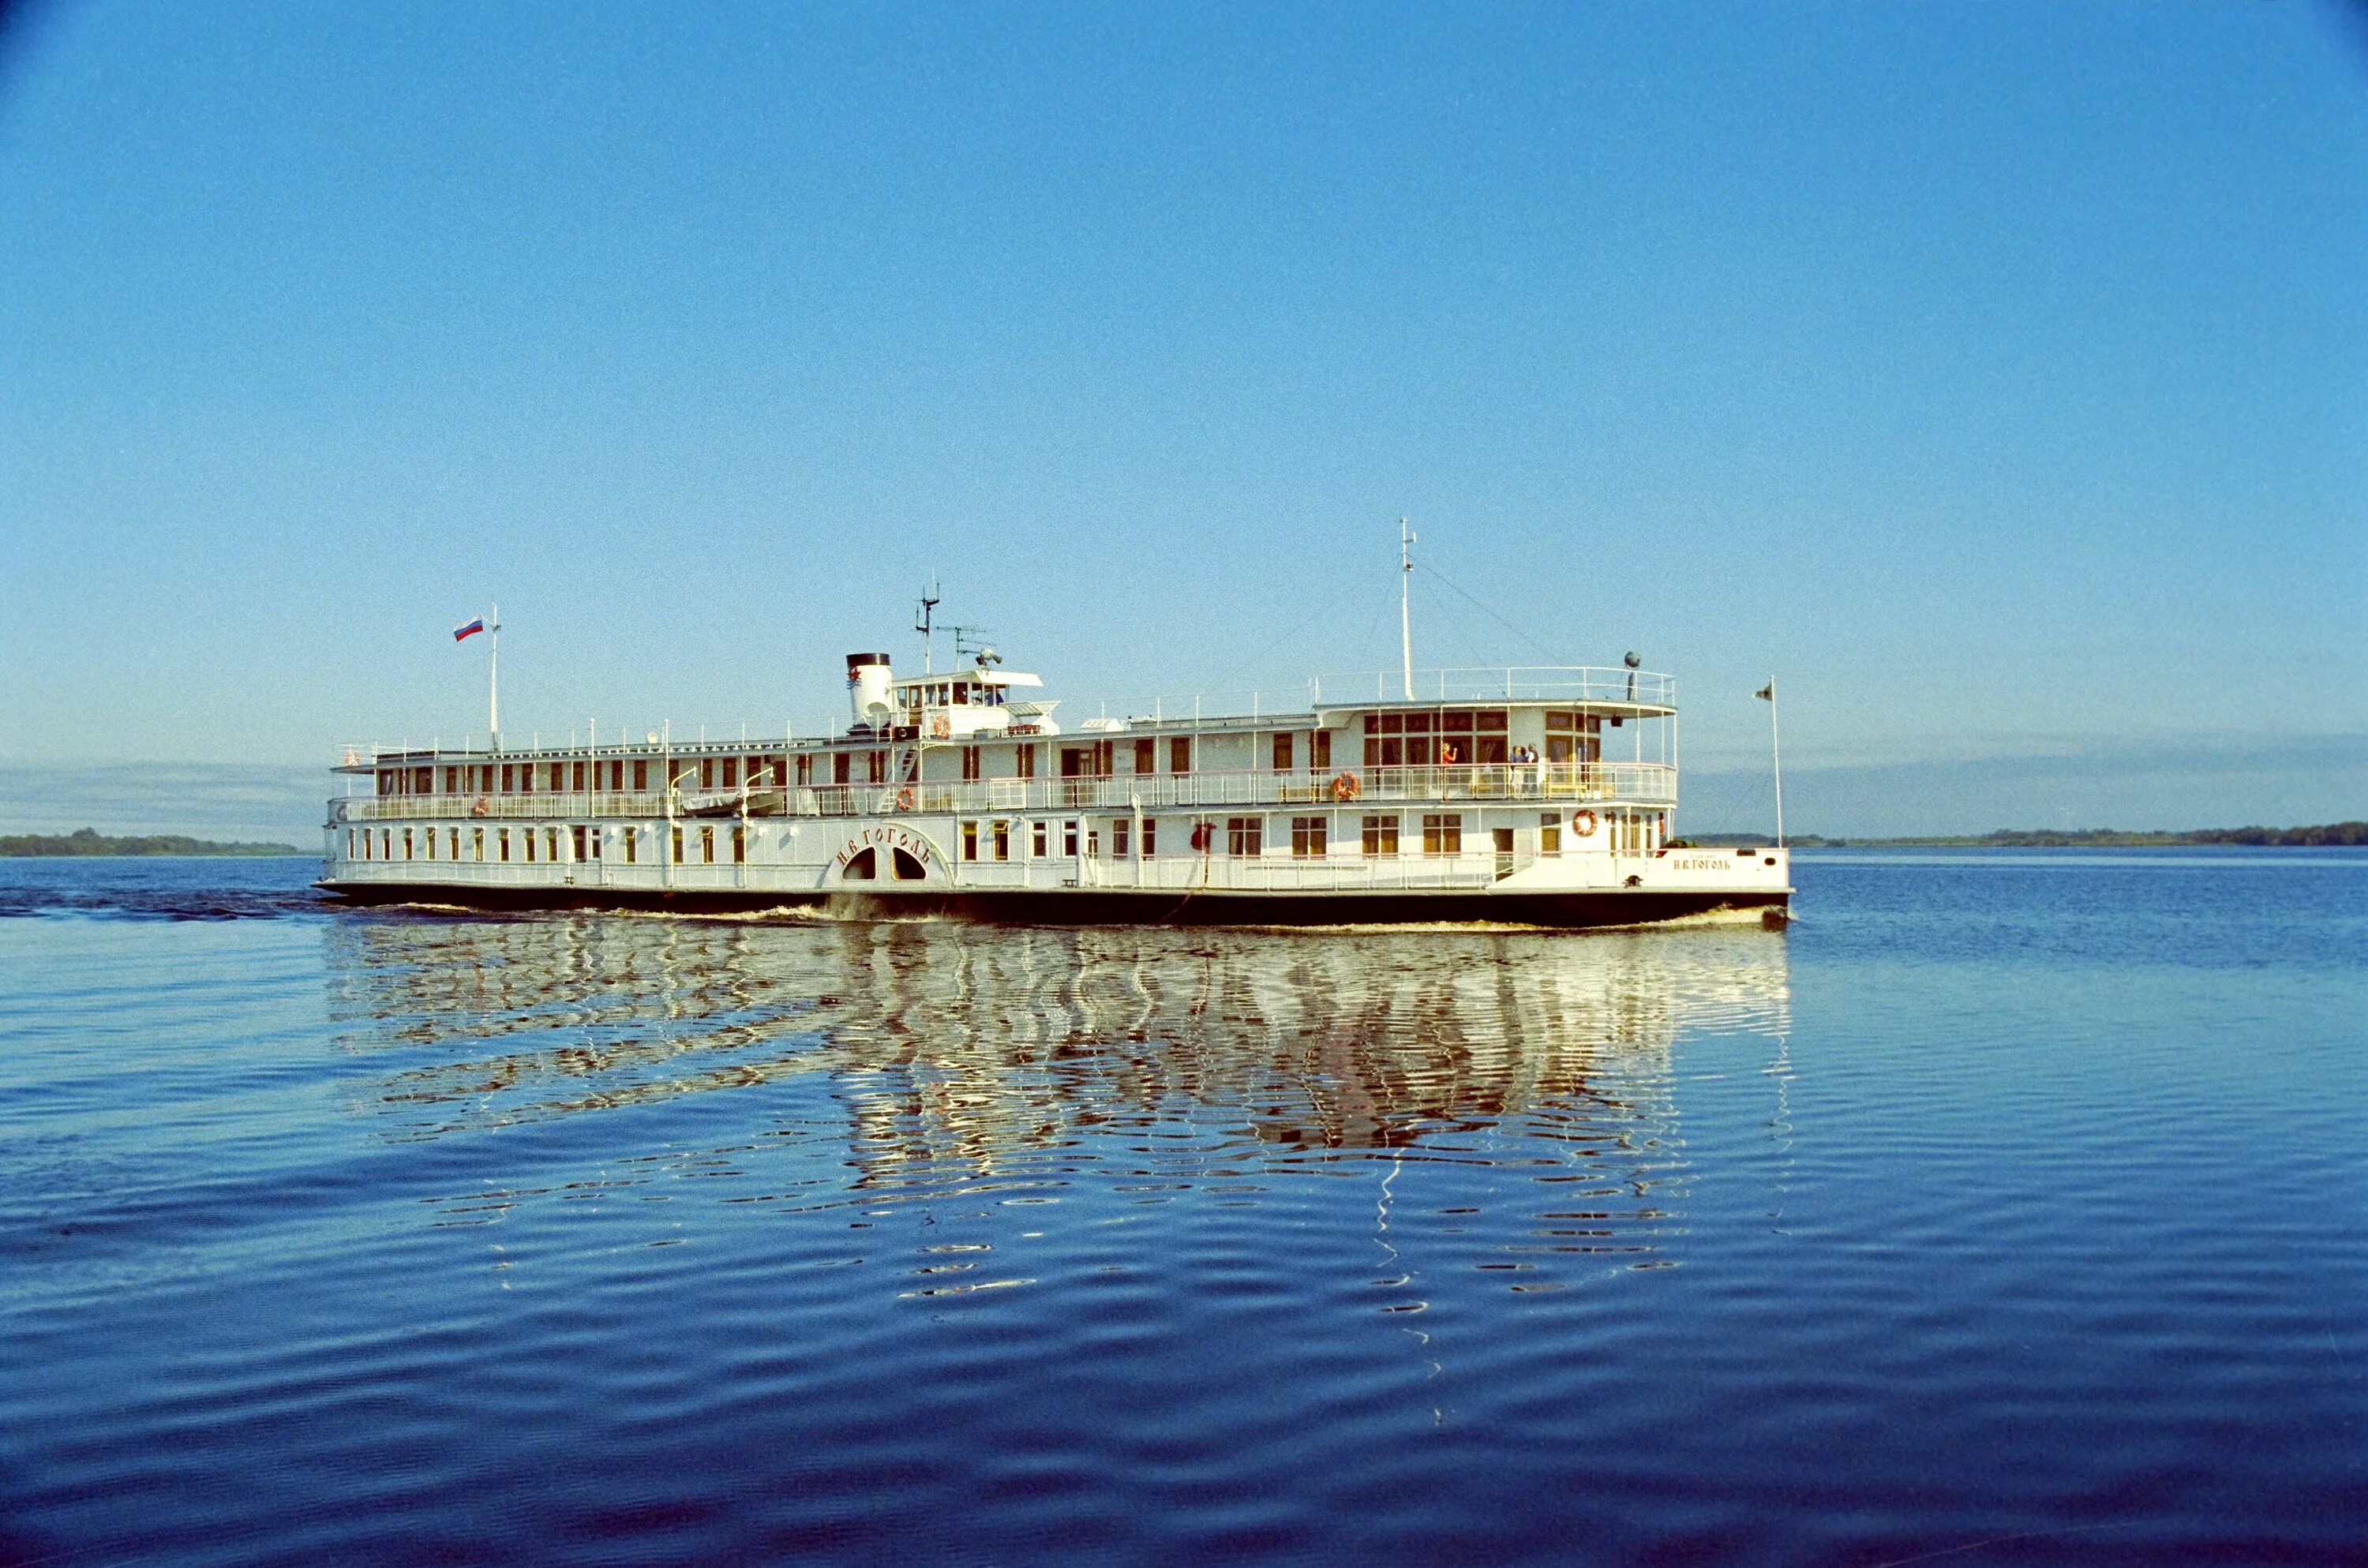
{"x":1996,"y":375}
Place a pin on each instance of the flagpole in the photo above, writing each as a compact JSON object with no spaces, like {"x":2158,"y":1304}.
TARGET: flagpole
{"x":493,"y":680}
{"x":1776,"y":748}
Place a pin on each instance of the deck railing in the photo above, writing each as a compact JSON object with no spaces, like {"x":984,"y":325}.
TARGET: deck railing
{"x":1641,"y":783}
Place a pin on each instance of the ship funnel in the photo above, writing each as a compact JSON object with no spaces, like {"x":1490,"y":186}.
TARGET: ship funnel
{"x":866,"y":688}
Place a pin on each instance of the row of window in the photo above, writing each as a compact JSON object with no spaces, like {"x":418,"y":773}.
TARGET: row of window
{"x":1443,"y":834}
{"x":1096,"y":759}
{"x":390,"y":843}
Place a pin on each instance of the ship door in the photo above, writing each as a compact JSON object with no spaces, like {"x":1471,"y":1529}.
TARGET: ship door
{"x":1504,"y":853}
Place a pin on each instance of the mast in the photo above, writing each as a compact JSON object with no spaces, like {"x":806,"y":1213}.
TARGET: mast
{"x":926,"y":626}
{"x":1776,"y":752}
{"x":494,"y":680}
{"x":1405,"y":626}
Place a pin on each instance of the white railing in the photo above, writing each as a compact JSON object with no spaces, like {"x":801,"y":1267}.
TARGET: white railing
{"x":1643,"y":783}
{"x":1501,"y":683}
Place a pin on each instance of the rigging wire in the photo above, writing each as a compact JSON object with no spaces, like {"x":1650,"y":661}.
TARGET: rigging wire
{"x":1483,"y":610}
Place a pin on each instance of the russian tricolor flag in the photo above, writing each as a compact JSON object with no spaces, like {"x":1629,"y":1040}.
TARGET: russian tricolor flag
{"x":462,"y":633}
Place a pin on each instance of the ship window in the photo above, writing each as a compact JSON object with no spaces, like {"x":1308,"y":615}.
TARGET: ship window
{"x":452,"y":781}
{"x":970,"y":841}
{"x":632,"y":845}
{"x":805,"y":769}
{"x":1381,"y":836}
{"x":842,"y":764}
{"x":1036,"y":839}
{"x":1069,"y":838}
{"x":1457,"y":720}
{"x":452,"y":843}
{"x":1443,"y":834}
{"x":1283,"y":749}
{"x":349,"y":844}
{"x":706,"y":846}
{"x":1245,"y":836}
{"x":1150,"y":836}
{"x":1319,"y":750}
{"x":1146,"y":755}
{"x":961,"y":696}
{"x":676,"y":847}
{"x":972,"y":765}
{"x":1002,"y":840}
{"x":1549,"y":834}
{"x":876,"y":766}
{"x":1118,"y":838}
{"x":1420,"y":724}
{"x":1493,"y":718}
{"x":576,"y":835}
{"x":1028,"y":761}
{"x":1491,"y":750}
{"x":1306,"y":836}
{"x":406,"y":844}
{"x":551,"y":842}
{"x":641,"y":774}
{"x":528,"y":837}
{"x":526,"y":778}
{"x":1394,"y":723}
{"x":1179,"y":754}
{"x":507,"y":780}
{"x":861,"y":867}
{"x":707,"y":773}
{"x":505,"y":838}
{"x":366,"y":844}
{"x":1417,"y":750}
{"x":477,"y":843}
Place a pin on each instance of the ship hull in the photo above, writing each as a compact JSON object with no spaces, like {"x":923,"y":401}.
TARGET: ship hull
{"x":1573,"y":910}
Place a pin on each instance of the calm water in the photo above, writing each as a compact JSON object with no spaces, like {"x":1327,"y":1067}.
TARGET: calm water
{"x":2012,"y":1204}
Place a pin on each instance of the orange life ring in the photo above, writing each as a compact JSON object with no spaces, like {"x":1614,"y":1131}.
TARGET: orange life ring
{"x":480,"y":808}
{"x":940,"y":727}
{"x":905,"y":799}
{"x":1583,"y":824}
{"x":1345,"y":786}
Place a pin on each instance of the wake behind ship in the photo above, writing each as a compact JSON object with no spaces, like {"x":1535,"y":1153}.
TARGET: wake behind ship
{"x":1493,"y":795}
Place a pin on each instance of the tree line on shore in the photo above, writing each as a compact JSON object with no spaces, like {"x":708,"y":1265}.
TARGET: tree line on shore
{"x":89,"y":841}
{"x":2339,"y":833}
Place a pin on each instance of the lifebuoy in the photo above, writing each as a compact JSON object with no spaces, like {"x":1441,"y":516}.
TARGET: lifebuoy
{"x":352,"y":756}
{"x":1583,"y":824}
{"x":480,"y":808}
{"x":940,"y":726}
{"x":1345,"y":786}
{"x":905,"y":799}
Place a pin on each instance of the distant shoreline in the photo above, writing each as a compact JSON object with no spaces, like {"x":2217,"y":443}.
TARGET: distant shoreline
{"x":89,"y":844}
{"x":2336,"y":835}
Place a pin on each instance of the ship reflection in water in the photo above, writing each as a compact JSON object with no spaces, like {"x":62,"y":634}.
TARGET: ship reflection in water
{"x":942,"y":1070}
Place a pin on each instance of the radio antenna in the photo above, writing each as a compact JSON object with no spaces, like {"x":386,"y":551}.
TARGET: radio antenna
{"x":926,"y":626}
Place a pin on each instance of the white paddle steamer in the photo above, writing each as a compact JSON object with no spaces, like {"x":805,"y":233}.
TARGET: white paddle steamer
{"x":1539,"y":797}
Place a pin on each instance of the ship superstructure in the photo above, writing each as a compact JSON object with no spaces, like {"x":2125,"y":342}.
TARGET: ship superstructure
{"x":1529,"y":796}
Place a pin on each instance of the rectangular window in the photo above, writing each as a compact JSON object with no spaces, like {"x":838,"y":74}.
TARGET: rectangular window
{"x":641,"y":773}
{"x":972,"y":765}
{"x":506,"y":844}
{"x":676,"y":847}
{"x":805,"y":769}
{"x":476,"y":844}
{"x":366,"y":844}
{"x":452,"y":781}
{"x":1027,"y":762}
{"x":1179,"y":754}
{"x":1442,"y":832}
{"x":739,"y":845}
{"x":528,"y":836}
{"x":596,"y":843}
{"x":1036,"y":840}
{"x":1069,"y":838}
{"x":1282,"y":751}
{"x":452,"y":843}
{"x":505,"y":778}
{"x":877,"y":766}
{"x":842,"y":765}
{"x":1150,"y":836}
{"x":1550,"y":833}
{"x":349,"y":844}
{"x":406,"y":844}
{"x":1093,"y":844}
{"x":970,"y":841}
{"x":1117,"y":838}
{"x":706,"y":846}
{"x":1319,"y":750}
{"x":1307,"y":837}
{"x":1002,"y":840}
{"x":526,"y":777}
{"x":431,"y":843}
{"x":578,"y":833}
{"x":632,"y":845}
{"x":575,"y":778}
{"x":1146,"y":755}
{"x":707,"y":773}
{"x":732,"y":773}
{"x":1245,"y":836}
{"x":551,"y":844}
